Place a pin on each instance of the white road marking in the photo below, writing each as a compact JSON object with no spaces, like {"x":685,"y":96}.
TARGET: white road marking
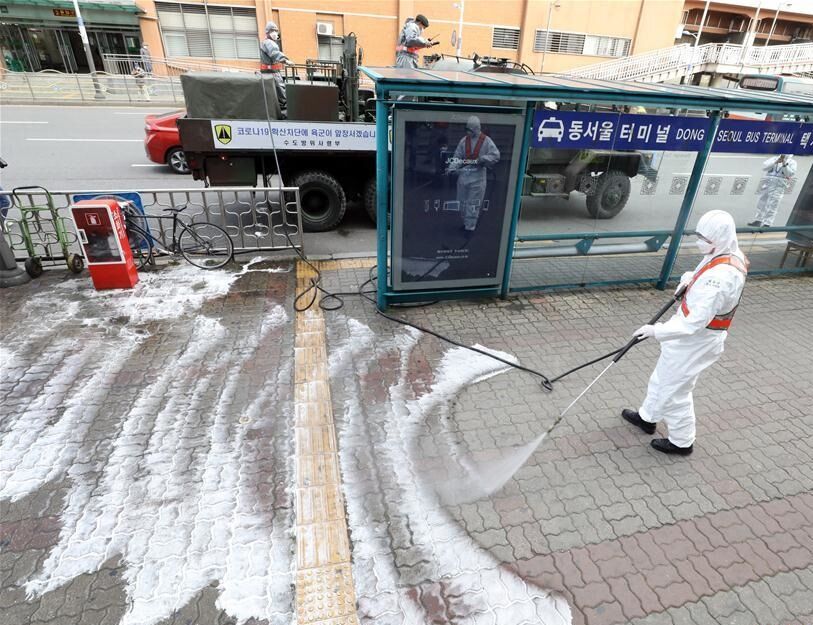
{"x":5,"y":121}
{"x":89,"y":140}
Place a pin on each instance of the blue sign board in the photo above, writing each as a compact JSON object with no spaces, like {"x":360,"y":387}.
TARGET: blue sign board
{"x":563,"y":129}
{"x":805,"y":144}
{"x":759,"y":137}
{"x":614,"y":131}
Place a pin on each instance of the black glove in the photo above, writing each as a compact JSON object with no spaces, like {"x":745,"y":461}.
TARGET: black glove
{"x":434,"y":43}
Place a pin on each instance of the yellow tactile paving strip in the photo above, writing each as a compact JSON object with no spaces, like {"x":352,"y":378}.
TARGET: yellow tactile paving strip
{"x":325,"y":593}
{"x":347,"y":263}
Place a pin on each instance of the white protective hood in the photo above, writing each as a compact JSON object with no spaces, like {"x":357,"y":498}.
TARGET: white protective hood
{"x":719,"y":228}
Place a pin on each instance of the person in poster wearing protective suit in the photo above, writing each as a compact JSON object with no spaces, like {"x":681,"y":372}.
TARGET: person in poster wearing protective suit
{"x":272,"y":61}
{"x":779,"y":171}
{"x":475,"y":153}
{"x":692,"y":340}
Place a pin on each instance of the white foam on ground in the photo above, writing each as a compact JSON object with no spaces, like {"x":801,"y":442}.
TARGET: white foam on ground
{"x":453,"y":552}
{"x":177,"y":496}
{"x":34,"y":451}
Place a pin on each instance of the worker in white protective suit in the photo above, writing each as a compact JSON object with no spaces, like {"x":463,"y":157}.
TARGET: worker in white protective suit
{"x":273,"y":61}
{"x":779,"y":172}
{"x":410,"y":41}
{"x":475,"y":153}
{"x":692,"y":340}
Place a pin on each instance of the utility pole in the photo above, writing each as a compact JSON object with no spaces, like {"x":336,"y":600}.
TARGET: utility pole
{"x":688,"y":77}
{"x":462,"y":6}
{"x":83,"y":35}
{"x":775,"y":17}
{"x":552,"y":4}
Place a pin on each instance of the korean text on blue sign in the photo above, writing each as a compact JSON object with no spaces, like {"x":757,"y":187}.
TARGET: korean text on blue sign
{"x":563,"y":129}
{"x":764,"y":137}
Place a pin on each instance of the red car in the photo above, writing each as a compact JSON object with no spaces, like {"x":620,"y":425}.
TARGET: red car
{"x":163,"y":141}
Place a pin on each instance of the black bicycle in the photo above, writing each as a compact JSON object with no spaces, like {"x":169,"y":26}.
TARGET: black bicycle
{"x":201,"y":243}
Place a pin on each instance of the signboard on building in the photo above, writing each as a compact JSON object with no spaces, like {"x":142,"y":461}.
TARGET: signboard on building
{"x":454,"y":177}
{"x":64,"y":13}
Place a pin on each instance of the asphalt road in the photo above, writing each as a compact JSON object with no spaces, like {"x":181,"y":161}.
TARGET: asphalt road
{"x":101,"y":148}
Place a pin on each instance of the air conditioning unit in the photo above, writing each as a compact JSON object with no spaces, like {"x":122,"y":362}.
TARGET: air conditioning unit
{"x":324,"y":28}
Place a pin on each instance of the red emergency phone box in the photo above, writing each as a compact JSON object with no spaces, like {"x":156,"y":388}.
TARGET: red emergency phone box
{"x":103,"y":236}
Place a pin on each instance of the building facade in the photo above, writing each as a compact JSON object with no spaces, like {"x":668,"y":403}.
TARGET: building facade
{"x":559,"y":33}
{"x":40,"y":35}
{"x":546,"y":35}
{"x":771,"y":22}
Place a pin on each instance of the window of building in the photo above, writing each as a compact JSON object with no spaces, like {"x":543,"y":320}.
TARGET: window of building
{"x":507,"y":38}
{"x":221,"y":32}
{"x":330,"y":47}
{"x":566,"y":43}
{"x":579,"y":43}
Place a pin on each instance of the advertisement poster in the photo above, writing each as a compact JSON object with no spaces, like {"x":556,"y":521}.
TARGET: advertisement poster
{"x":455,"y":175}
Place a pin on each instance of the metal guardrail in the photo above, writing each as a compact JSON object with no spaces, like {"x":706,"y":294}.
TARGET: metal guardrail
{"x":163,"y":67}
{"x":685,"y":59}
{"x":258,"y":219}
{"x":49,"y":86}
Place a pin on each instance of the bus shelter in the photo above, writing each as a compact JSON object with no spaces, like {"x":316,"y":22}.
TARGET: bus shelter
{"x":489,"y":183}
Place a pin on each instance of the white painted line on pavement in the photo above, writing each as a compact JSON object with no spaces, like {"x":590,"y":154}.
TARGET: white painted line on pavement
{"x":90,"y":140}
{"x":6,"y":121}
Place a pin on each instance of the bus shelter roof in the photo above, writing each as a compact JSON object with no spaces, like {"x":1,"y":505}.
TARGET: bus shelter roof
{"x":582,"y":90}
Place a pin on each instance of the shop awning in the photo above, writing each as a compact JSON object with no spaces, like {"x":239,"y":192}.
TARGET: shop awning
{"x":127,"y":6}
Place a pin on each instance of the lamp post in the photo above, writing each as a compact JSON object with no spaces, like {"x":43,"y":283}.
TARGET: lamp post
{"x":775,"y":17}
{"x":691,"y":59}
{"x":83,"y":35}
{"x":462,"y":6}
{"x":551,"y":5}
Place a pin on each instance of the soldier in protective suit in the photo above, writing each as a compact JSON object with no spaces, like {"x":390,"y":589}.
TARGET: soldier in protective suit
{"x":474,"y":154}
{"x":779,"y":172}
{"x":410,"y":41}
{"x":692,"y":340}
{"x":273,"y":61}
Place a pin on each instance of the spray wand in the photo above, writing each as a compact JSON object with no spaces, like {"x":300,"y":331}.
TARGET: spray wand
{"x":619,"y":354}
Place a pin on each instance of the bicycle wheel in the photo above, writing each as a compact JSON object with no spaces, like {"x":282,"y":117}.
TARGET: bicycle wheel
{"x":205,"y":245}
{"x":140,"y":246}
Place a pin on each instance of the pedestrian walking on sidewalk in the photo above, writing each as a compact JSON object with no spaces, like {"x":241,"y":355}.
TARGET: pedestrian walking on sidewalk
{"x":692,"y":340}
{"x":141,"y":81}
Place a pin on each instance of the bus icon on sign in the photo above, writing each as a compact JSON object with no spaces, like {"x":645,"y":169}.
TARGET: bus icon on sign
{"x":551,"y":128}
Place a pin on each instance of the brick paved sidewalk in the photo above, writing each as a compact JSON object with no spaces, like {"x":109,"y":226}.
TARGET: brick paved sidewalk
{"x":623,"y":533}
{"x":152,"y":461}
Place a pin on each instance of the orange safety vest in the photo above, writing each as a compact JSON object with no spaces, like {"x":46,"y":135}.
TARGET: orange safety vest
{"x":720,"y":322}
{"x":405,"y":49}
{"x":477,"y":146}
{"x":276,"y":67}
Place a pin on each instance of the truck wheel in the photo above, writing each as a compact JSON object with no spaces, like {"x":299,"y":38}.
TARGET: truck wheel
{"x":612,"y":193}
{"x":322,"y":199}
{"x":370,"y":199}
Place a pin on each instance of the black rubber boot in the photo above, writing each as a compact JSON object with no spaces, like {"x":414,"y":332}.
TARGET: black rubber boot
{"x":633,"y":417}
{"x":667,"y":447}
